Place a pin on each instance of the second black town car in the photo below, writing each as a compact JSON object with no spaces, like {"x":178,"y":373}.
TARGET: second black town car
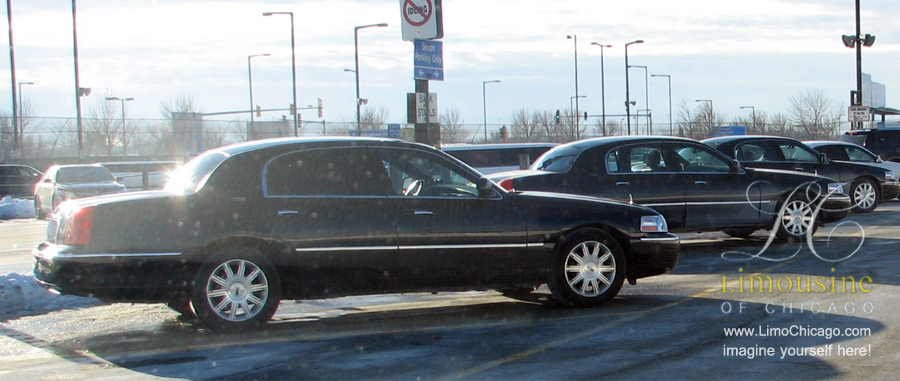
{"x":694,"y":186}
{"x":241,"y":227}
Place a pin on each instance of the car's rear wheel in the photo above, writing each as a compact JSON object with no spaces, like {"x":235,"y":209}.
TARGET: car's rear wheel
{"x":864,"y":195}
{"x":795,"y":220}
{"x":39,"y":208}
{"x":236,"y":289}
{"x":588,"y":269}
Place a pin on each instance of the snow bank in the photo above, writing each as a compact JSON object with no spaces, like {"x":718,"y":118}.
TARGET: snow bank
{"x":11,"y":207}
{"x":21,"y":295}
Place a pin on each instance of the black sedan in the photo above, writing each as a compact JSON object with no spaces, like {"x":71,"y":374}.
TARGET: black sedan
{"x":867,"y":185}
{"x":68,"y":182}
{"x":241,"y":227}
{"x":694,"y":186}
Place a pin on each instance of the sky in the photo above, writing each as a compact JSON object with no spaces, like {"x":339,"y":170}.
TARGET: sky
{"x":737,"y":54}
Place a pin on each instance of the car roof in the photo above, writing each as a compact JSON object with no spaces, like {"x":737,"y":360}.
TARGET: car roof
{"x":254,"y":145}
{"x":491,"y":146}
{"x":606,"y":140}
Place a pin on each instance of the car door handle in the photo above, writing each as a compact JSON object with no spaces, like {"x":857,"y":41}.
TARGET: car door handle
{"x":287,"y":212}
{"x":801,"y":169}
{"x":700,"y":182}
{"x":622,"y":183}
{"x":422,"y":213}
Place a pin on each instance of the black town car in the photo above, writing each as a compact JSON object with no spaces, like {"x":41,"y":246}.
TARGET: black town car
{"x":694,"y":186}
{"x":866,"y":184}
{"x":241,"y":227}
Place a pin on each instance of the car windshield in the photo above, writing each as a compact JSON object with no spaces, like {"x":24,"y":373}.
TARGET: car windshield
{"x":557,"y":160}
{"x":83,"y":175}
{"x":189,"y":178}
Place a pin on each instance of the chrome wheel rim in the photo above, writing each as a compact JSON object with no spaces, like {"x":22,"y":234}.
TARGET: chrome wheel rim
{"x":237,"y":290}
{"x":864,"y":195}
{"x":797,"y":217}
{"x":590,"y":268}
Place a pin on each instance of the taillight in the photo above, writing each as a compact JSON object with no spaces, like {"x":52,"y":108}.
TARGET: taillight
{"x":507,"y":184}
{"x":78,"y":229}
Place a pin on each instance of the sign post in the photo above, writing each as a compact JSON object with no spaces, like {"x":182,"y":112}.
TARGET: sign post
{"x":420,"y":22}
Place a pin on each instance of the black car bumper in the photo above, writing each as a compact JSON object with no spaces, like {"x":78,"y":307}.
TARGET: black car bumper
{"x":653,"y":255}
{"x":890,"y":190}
{"x":144,"y":277}
{"x":835,"y":208}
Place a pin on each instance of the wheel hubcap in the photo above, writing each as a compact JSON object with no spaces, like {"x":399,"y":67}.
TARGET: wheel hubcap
{"x":864,"y":195}
{"x":797,"y":217}
{"x":590,"y":268}
{"x":237,"y":290}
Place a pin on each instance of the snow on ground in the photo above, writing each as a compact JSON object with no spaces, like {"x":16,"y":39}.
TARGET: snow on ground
{"x":20,"y":294}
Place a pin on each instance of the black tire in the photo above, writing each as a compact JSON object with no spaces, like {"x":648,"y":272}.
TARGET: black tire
{"x":184,"y":309}
{"x":795,"y":218}
{"x":740,"y":233}
{"x":236,"y":290}
{"x":588,"y":269}
{"x":864,"y":196}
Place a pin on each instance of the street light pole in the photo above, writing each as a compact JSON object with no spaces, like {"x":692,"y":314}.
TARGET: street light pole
{"x":356,"y":69}
{"x":577,"y":129}
{"x":293,"y":68}
{"x":627,"y":91}
{"x":646,"y":92}
{"x":19,"y":126}
{"x":124,"y":137}
{"x":602,"y":88}
{"x":484,"y":104}
{"x":250,"y":81}
{"x":669,"y":79}
{"x":752,"y":116}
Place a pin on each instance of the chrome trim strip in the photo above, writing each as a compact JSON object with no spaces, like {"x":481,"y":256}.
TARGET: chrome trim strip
{"x":421,"y":247}
{"x":663,"y":239}
{"x":113,"y":255}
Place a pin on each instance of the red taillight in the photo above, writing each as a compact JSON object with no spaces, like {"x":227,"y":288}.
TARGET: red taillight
{"x":78,"y":230}
{"x":507,"y":184}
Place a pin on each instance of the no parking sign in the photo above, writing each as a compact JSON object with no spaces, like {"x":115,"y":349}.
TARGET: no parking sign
{"x":421,"y":19}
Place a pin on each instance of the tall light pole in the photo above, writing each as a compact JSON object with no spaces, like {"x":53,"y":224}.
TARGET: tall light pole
{"x":752,"y":116}
{"x":356,"y":68}
{"x":293,"y":68}
{"x":484,"y":103}
{"x":79,"y":91}
{"x":602,"y":88}
{"x":627,"y":91}
{"x":858,"y":41}
{"x":250,"y":81}
{"x":669,"y":79}
{"x":124,"y":138}
{"x":20,"y":125}
{"x":575,"y":110}
{"x":646,"y":91}
{"x":575,"y":39}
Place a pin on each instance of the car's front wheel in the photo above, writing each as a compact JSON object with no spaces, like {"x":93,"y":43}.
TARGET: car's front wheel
{"x":588,"y":269}
{"x":795,"y":220}
{"x":864,"y":196}
{"x":236,"y":289}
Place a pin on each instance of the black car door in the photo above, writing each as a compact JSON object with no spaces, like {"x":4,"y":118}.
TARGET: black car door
{"x":637,"y":173}
{"x":330,"y":206}
{"x":448,"y":234}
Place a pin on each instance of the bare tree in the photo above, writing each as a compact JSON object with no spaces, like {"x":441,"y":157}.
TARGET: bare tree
{"x":613,"y":128}
{"x":814,"y":116}
{"x":529,"y":126}
{"x":103,"y":131}
{"x":779,"y":124}
{"x":451,"y":129}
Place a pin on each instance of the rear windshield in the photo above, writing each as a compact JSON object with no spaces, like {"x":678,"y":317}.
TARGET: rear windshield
{"x":557,"y":159}
{"x":190,"y":178}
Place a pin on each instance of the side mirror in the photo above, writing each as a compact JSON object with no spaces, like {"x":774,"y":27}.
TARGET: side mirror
{"x":119,"y":179}
{"x":485,"y":188}
{"x":823,"y":158}
{"x":878,"y":159}
{"x":735,"y":166}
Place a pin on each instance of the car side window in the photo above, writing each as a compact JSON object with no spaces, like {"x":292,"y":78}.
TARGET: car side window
{"x":858,"y":155}
{"x":421,"y":174}
{"x":793,"y":152}
{"x":701,"y":159}
{"x":326,"y":172}
{"x":753,"y":152}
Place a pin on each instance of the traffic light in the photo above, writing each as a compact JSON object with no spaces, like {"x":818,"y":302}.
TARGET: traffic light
{"x":293,"y":109}
{"x":258,"y":111}
{"x":585,"y":115}
{"x":557,"y":117}
{"x":320,"y":107}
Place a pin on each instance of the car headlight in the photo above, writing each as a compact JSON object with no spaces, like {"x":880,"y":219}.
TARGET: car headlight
{"x":889,"y":175}
{"x":835,"y":188}
{"x":654,"y":224}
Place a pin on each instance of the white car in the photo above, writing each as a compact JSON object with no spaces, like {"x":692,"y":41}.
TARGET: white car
{"x":854,"y":153}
